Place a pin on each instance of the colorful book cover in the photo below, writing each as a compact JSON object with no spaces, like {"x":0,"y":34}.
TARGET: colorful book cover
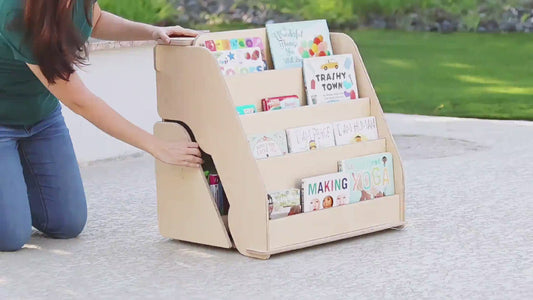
{"x":371,"y":176}
{"x":240,"y":61}
{"x":330,"y":79}
{"x":291,"y":42}
{"x":277,"y":103}
{"x":308,"y":138}
{"x":268,"y":145}
{"x":284,"y":203}
{"x":356,"y":130}
{"x":246,"y":109}
{"x":325,"y":191}
{"x":236,"y":44}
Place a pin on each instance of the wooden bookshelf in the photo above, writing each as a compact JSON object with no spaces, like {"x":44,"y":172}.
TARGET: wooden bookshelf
{"x":196,"y":102}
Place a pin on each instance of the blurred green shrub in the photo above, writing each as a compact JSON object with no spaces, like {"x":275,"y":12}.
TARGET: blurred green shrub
{"x":146,"y":11}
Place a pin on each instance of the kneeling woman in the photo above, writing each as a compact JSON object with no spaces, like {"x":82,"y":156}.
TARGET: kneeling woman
{"x":41,"y":42}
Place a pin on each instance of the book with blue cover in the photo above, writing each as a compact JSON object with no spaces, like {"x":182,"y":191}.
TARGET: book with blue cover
{"x":292,"y":42}
{"x":371,"y":176}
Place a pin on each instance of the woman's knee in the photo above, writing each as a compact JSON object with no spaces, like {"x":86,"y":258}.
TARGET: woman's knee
{"x":12,"y":239}
{"x":67,"y":226}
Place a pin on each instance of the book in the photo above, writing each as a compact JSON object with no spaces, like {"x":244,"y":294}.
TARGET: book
{"x":325,"y":191}
{"x":240,"y":61}
{"x":246,"y":109}
{"x":330,"y":79}
{"x":291,"y":42}
{"x":237,"y":44}
{"x":371,"y":176}
{"x":268,"y":145}
{"x":216,"y":189}
{"x":356,"y":130}
{"x":308,"y":138}
{"x":284,"y":203}
{"x":277,"y":103}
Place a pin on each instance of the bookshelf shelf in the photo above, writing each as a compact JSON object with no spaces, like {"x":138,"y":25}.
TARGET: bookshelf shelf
{"x":284,"y":172}
{"x":304,"y":116}
{"x":196,"y":102}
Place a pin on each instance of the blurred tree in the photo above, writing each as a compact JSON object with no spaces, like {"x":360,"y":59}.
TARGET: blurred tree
{"x":146,"y":11}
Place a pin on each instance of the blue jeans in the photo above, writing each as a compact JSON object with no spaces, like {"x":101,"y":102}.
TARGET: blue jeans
{"x":40,"y":183}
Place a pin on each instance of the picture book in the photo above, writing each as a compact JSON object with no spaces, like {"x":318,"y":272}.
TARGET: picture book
{"x":325,"y":191}
{"x":240,"y":61}
{"x":356,"y":130}
{"x":308,"y":138}
{"x":268,"y":145}
{"x":238,"y":45}
{"x":277,"y":103}
{"x":284,"y":203}
{"x":246,"y":109}
{"x":291,"y":42}
{"x":371,"y":176}
{"x":330,"y":79}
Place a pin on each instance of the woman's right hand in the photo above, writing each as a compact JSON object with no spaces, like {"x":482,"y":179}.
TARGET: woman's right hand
{"x":185,"y":154}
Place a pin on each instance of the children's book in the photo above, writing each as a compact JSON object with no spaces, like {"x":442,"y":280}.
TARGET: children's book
{"x":370,"y":176}
{"x":325,"y":191}
{"x":308,"y":138}
{"x":238,"y":46}
{"x":268,"y":145}
{"x":246,"y":109}
{"x":330,"y":79}
{"x":284,"y":203}
{"x":240,"y":61}
{"x":356,"y":130}
{"x":277,"y":103}
{"x":291,"y":42}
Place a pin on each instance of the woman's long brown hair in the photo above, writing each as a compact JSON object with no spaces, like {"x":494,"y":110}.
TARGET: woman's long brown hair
{"x":56,"y":42}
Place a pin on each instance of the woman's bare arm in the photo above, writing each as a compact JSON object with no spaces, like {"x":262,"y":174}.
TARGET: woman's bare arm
{"x":76,"y":96}
{"x":107,"y":26}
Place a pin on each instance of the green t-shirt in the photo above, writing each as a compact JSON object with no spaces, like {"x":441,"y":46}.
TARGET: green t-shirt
{"x":24,"y":100}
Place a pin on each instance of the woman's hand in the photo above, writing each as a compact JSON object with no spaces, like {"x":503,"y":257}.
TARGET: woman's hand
{"x":165,"y":33}
{"x":185,"y":154}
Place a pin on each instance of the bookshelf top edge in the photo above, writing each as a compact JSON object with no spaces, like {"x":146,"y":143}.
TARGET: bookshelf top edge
{"x":240,"y":33}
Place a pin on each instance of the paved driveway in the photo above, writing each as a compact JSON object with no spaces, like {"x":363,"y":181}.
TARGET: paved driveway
{"x":470,"y":234}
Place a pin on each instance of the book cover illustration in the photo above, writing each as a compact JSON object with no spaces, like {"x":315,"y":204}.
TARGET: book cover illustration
{"x":284,"y":203}
{"x":308,"y":138}
{"x":356,"y":130}
{"x":325,"y":191}
{"x":240,"y":61}
{"x":237,"y":44}
{"x":371,"y":176}
{"x":330,"y":79}
{"x":277,"y":103}
{"x":246,"y":109}
{"x":291,"y":42}
{"x":268,"y":145}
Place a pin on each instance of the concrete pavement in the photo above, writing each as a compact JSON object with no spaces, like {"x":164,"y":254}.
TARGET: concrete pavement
{"x":469,"y":234}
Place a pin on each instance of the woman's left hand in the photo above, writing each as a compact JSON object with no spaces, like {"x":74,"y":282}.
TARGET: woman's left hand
{"x":165,"y":33}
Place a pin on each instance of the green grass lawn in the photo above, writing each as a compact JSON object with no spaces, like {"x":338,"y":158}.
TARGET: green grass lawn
{"x":461,"y":74}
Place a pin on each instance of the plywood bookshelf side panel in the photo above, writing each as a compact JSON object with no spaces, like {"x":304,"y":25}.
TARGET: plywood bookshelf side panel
{"x":192,"y":90}
{"x":186,"y":209}
{"x":344,"y":44}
